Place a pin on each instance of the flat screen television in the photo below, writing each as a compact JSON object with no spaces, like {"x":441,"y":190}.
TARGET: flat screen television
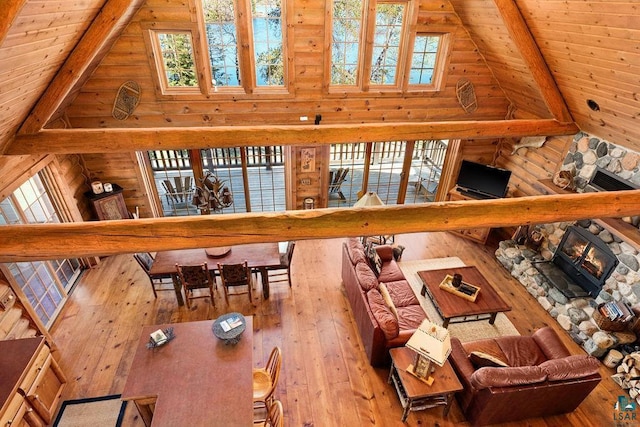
{"x":482,"y":181}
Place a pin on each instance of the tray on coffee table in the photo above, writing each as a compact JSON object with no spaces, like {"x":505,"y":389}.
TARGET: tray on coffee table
{"x":465,"y":290}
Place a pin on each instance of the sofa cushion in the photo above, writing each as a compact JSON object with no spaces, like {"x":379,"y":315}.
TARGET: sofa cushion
{"x":386,"y":319}
{"x":401,"y":293}
{"x":355,"y":251}
{"x":387,"y":299}
{"x":480,"y":360}
{"x":569,"y":367}
{"x":410,"y":317}
{"x":521,"y":351}
{"x":506,"y":377}
{"x":390,"y":272}
{"x":366,"y":278}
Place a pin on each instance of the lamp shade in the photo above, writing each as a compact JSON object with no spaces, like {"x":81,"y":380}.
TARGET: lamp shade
{"x":431,"y":341}
{"x":369,"y":199}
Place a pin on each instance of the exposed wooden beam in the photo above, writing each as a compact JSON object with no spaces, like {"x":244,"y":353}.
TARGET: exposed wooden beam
{"x":104,"y":29}
{"x":8,"y":12}
{"x":55,"y":241}
{"x":70,"y":141}
{"x":526,"y":44}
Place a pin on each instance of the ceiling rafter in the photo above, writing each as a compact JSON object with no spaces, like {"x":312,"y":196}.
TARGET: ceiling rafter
{"x":8,"y":12}
{"x":526,"y":44}
{"x":99,"y":37}
{"x":42,"y":241}
{"x":74,"y":141}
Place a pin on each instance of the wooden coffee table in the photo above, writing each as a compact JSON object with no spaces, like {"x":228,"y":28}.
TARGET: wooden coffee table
{"x":415,"y":394}
{"x":455,"y":309}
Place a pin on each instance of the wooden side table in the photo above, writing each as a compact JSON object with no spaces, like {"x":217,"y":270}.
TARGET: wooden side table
{"x":415,"y":394}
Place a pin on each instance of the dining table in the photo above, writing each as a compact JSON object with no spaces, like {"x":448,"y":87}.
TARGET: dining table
{"x":194,"y":379}
{"x":259,"y":256}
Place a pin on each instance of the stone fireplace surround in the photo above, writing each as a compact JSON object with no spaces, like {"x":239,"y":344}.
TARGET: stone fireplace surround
{"x":586,"y":153}
{"x":576,"y":315}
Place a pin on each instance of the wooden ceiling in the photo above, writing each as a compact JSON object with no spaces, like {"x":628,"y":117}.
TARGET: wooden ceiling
{"x":546,"y":59}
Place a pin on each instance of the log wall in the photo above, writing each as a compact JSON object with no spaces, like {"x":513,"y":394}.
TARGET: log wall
{"x":128,"y":60}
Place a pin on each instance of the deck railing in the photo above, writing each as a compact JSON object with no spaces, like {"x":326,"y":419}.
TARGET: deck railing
{"x":173,"y":160}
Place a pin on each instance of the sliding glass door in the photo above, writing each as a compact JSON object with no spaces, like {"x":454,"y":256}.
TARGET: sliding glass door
{"x":45,"y":283}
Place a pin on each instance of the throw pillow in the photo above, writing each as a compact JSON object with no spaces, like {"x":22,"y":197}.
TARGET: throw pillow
{"x":397,"y":252}
{"x":480,"y":360}
{"x":387,"y":299}
{"x":374,"y":260}
{"x":385,"y":318}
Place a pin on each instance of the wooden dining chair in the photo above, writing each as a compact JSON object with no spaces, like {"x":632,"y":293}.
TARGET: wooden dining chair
{"x":265,"y":380}
{"x":193,"y":277}
{"x":162,"y":282}
{"x":282,"y":273}
{"x":235,"y":276}
{"x":271,"y":417}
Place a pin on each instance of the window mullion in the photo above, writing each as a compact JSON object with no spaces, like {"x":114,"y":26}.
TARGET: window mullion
{"x":367,"y":47}
{"x":245,"y":48}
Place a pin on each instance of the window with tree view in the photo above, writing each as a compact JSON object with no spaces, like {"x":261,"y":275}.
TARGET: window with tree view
{"x":424,"y":59}
{"x":345,"y":43}
{"x":386,"y":43}
{"x":267,"y":42}
{"x":222,"y":41}
{"x":178,"y":59}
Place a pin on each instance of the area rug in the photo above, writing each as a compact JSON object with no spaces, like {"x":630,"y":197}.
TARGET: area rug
{"x":467,"y":331}
{"x":104,"y":411}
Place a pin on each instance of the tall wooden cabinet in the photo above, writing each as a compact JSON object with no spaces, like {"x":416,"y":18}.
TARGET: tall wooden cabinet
{"x":32,"y":383}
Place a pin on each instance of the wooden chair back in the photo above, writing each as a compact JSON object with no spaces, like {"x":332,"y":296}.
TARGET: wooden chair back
{"x":158,"y":283}
{"x":235,"y":275}
{"x":195,"y":277}
{"x":275,"y":416}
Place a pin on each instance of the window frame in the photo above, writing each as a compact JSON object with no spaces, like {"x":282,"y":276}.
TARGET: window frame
{"x":246,"y":54}
{"x":151,"y":31}
{"x":442,"y":59}
{"x":411,"y":29}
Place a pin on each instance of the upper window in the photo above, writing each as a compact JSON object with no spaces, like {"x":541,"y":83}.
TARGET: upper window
{"x":424,"y":59}
{"x":177,"y":60}
{"x":386,"y":43}
{"x":245,"y":52}
{"x":382,"y":48}
{"x":222,"y":41}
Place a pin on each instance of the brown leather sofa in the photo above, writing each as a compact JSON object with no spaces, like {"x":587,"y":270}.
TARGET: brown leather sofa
{"x":387,"y":315}
{"x":541,"y":377}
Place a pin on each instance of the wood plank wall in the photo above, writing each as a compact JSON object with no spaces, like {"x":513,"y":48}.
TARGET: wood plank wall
{"x":128,"y":61}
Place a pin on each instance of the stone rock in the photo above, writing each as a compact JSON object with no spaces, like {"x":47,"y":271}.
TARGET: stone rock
{"x":617,"y":152}
{"x":622,"y":270}
{"x":605,"y":236}
{"x":592,"y":349}
{"x":576,"y":315}
{"x":564,"y":321}
{"x":627,"y":248}
{"x":545,"y":303}
{"x":589,"y":159}
{"x":557,"y":296}
{"x":630,"y":261}
{"x":588,"y":327}
{"x":603,"y":340}
{"x":602,"y":149}
{"x":630,"y":161}
{"x":583,"y":144}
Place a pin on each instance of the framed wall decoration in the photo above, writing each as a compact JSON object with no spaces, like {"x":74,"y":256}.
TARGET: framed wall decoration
{"x":308,"y":159}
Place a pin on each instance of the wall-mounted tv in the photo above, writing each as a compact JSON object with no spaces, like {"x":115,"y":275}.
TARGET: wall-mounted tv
{"x":482,"y":181}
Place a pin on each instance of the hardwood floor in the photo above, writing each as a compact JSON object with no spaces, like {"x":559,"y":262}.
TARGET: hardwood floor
{"x":325,"y":378}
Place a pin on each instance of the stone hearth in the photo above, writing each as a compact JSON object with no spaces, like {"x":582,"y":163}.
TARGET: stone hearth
{"x":576,"y":315}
